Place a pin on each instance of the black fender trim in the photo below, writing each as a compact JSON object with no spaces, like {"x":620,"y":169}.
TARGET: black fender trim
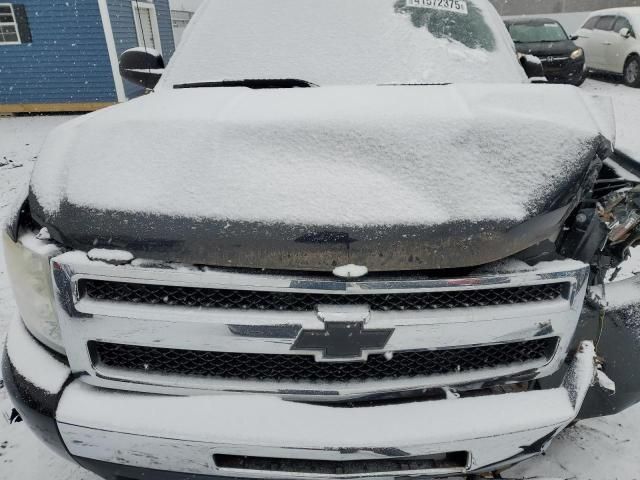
{"x":36,"y":406}
{"x":619,"y":348}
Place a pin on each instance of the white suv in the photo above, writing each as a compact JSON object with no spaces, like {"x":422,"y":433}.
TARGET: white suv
{"x":611,"y":43}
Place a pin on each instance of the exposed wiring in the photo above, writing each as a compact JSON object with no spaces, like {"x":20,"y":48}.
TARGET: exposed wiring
{"x":601,"y":314}
{"x":601,"y":318}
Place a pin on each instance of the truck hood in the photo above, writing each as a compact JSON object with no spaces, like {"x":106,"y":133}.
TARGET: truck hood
{"x":391,"y":177}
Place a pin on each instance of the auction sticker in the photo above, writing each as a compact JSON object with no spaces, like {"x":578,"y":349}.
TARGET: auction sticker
{"x":457,"y":6}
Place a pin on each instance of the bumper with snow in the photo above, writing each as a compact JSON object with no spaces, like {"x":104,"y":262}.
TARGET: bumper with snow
{"x":260,"y":436}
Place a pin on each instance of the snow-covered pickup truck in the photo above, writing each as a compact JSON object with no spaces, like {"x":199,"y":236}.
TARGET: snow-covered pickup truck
{"x":341,"y":239}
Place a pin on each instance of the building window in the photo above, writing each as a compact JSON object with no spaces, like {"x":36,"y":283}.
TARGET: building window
{"x":9,"y":33}
{"x":146,"y":25}
{"x":180,"y":18}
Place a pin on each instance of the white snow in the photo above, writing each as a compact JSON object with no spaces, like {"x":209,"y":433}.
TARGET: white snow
{"x":625,"y":104}
{"x":326,"y":156}
{"x":110,"y":256}
{"x":598,"y":449}
{"x":43,"y":234}
{"x":621,"y":171}
{"x":270,"y":421}
{"x":333,"y":42}
{"x":149,"y":50}
{"x":38,"y":245}
{"x":620,"y":293}
{"x":28,"y":357}
{"x":513,"y":266}
{"x":605,"y":382}
{"x":350,"y":271}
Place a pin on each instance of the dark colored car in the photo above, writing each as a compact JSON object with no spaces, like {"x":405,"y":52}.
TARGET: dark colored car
{"x":546,"y":39}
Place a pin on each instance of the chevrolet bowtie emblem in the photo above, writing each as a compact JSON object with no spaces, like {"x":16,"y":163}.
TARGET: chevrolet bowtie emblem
{"x":344,"y":337}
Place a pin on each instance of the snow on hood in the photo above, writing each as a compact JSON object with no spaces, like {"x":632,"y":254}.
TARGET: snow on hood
{"x":414,"y":155}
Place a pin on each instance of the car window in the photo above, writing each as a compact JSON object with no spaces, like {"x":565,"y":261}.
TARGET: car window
{"x":606,"y":23}
{"x":471,"y":30}
{"x":338,"y":42}
{"x":622,"y":22}
{"x":591,"y":23}
{"x":540,"y":32}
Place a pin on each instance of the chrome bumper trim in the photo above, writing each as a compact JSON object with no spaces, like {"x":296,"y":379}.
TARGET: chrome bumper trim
{"x":182,"y":434}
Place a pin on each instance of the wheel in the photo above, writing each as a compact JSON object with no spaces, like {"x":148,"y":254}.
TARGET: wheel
{"x":581,"y":80}
{"x":632,"y":72}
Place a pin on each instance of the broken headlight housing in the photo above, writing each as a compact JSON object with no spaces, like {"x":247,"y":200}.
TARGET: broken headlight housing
{"x":30,"y":274}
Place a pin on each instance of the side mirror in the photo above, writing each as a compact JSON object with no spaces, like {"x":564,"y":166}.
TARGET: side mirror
{"x":142,"y":66}
{"x":533,"y":68}
{"x":574,"y":37}
{"x":625,"y":32}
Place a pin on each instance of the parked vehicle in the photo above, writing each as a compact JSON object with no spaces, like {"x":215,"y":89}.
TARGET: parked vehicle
{"x":545,"y":38}
{"x":358,"y":243}
{"x":611,"y":43}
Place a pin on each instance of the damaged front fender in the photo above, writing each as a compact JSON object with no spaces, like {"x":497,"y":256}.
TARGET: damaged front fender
{"x":614,"y":310}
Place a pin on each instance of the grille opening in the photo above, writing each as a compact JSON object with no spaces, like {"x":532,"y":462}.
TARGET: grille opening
{"x":422,"y":395}
{"x":172,"y":295}
{"x":452,"y":460}
{"x":304,"y":368}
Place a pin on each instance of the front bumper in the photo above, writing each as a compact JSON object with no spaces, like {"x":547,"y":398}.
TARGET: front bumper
{"x":567,"y":71}
{"x":182,"y":434}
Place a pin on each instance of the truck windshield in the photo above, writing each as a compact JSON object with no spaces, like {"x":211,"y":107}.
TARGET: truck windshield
{"x":537,"y":32}
{"x":345,"y":42}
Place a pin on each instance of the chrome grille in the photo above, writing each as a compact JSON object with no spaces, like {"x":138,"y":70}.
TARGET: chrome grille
{"x":277,"y":367}
{"x":152,"y":294}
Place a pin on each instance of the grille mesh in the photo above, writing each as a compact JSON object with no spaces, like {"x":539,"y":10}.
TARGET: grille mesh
{"x":345,"y":467}
{"x":299,"y":302}
{"x":304,"y":367}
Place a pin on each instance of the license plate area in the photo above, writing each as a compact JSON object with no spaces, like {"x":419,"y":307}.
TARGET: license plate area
{"x":449,"y":462}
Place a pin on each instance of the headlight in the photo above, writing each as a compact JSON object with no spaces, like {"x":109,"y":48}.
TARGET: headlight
{"x":576,"y":54}
{"x":30,"y":275}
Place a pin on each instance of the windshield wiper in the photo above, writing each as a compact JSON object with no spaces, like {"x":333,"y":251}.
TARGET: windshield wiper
{"x":252,"y":83}
{"x":539,"y":41}
{"x":436,"y":84}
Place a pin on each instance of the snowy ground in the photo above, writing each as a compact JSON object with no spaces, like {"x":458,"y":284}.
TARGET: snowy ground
{"x":601,"y":449}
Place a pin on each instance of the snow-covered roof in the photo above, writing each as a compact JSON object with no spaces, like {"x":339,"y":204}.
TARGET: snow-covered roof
{"x":633,"y":13}
{"x":344,"y":42}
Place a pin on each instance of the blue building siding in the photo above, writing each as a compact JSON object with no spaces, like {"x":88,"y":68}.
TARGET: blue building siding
{"x":124,"y":32}
{"x":67,"y":60}
{"x":166,"y":28}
